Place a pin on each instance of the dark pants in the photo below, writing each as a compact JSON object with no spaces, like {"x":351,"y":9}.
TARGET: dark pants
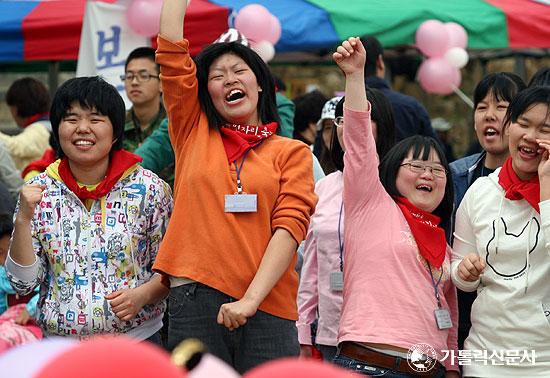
{"x":328,"y":352}
{"x":193,"y":310}
{"x":156,"y":339}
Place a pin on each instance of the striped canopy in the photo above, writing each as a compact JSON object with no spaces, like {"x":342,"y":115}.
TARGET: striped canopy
{"x":50,"y":29}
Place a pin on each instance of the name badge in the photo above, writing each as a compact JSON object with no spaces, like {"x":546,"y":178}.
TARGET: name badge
{"x":443,"y":318}
{"x":241,"y":203}
{"x":336,"y":281}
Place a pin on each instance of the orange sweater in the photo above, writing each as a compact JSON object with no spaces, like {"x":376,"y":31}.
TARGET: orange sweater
{"x":203,"y":243}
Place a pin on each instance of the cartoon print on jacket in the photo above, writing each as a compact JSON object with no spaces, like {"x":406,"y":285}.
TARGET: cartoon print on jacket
{"x":84,"y":254}
{"x":511,"y":240}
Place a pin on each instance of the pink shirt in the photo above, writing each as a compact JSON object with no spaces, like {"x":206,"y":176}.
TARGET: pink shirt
{"x":388,"y":292}
{"x":316,"y":300}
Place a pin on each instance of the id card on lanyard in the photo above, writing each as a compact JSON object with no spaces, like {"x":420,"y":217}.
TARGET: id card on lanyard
{"x":442,"y":315}
{"x":241,"y":202}
{"x":337,"y":278}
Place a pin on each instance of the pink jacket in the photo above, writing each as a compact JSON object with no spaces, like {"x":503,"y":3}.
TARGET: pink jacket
{"x":316,"y":300}
{"x":388,"y":292}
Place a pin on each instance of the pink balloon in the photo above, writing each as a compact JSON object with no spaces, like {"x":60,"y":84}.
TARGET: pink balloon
{"x":254,"y":21}
{"x":112,"y":357}
{"x":432,"y":38}
{"x":456,"y":78}
{"x":437,"y":76}
{"x":212,"y":366}
{"x":275,"y":30}
{"x":143,"y":16}
{"x":457,"y":35}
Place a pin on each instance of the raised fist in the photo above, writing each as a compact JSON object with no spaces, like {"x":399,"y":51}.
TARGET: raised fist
{"x":29,"y":197}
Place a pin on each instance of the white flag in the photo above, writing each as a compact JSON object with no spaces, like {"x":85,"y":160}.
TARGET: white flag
{"x":105,"y":43}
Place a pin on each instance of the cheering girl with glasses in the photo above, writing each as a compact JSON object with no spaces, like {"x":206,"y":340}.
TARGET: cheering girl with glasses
{"x":396,"y":283}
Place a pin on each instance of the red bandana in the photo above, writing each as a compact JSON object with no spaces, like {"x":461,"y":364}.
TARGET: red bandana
{"x":40,"y":165}
{"x":516,"y":189}
{"x":121,"y":160}
{"x":430,"y":238}
{"x":237,"y":139}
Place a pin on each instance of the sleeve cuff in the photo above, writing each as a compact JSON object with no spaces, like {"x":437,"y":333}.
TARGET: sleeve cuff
{"x":23,"y":273}
{"x":304,"y":334}
{"x":167,"y":45}
{"x":461,"y":284}
{"x":297,"y":234}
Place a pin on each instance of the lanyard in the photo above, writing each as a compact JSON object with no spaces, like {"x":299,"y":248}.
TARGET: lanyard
{"x":436,"y":285}
{"x":239,"y":170}
{"x":340,"y":241}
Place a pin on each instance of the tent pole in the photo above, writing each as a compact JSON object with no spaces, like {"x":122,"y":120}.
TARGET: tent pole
{"x":53,"y":76}
{"x":519,"y":66}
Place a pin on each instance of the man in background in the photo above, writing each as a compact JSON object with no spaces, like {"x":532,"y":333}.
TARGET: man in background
{"x":411,"y":118}
{"x":142,"y":84}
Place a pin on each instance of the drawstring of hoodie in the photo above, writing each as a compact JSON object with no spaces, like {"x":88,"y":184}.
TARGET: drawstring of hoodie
{"x":131,"y":243}
{"x":527,"y":254}
{"x":497,"y":224}
{"x":102,"y":203}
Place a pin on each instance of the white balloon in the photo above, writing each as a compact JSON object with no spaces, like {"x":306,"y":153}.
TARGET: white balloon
{"x":457,"y":57}
{"x":265,"y":50}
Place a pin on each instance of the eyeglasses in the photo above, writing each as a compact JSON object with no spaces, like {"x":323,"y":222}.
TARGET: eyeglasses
{"x":142,"y":77}
{"x":437,"y":171}
{"x":339,"y":121}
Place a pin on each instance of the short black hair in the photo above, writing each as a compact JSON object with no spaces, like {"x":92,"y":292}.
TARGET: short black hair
{"x":381,"y":113}
{"x":309,"y":107}
{"x":267,"y":105}
{"x":502,"y":85}
{"x":419,"y":145}
{"x":142,"y":52}
{"x":29,"y":97}
{"x":541,"y":77}
{"x":90,"y":93}
{"x":374,"y":49}
{"x":6,"y":224}
{"x":279,"y":84}
{"x":525,"y":100}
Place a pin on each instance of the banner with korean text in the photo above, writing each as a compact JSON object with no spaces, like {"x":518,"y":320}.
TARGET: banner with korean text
{"x":105,"y":42}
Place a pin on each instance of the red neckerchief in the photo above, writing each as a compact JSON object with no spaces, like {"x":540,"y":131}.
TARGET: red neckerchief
{"x":237,"y":139}
{"x":430,"y":238}
{"x":37,"y":117}
{"x":41,"y":165}
{"x":120,"y":161}
{"x":516,"y":189}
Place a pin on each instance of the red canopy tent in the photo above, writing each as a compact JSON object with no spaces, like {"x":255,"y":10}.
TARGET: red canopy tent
{"x":41,"y":22}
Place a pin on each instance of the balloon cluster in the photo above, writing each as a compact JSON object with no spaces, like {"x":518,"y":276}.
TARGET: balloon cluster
{"x":262,"y":29}
{"x":122,"y":357}
{"x":98,"y":357}
{"x":143,"y":17}
{"x":444,"y":44}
